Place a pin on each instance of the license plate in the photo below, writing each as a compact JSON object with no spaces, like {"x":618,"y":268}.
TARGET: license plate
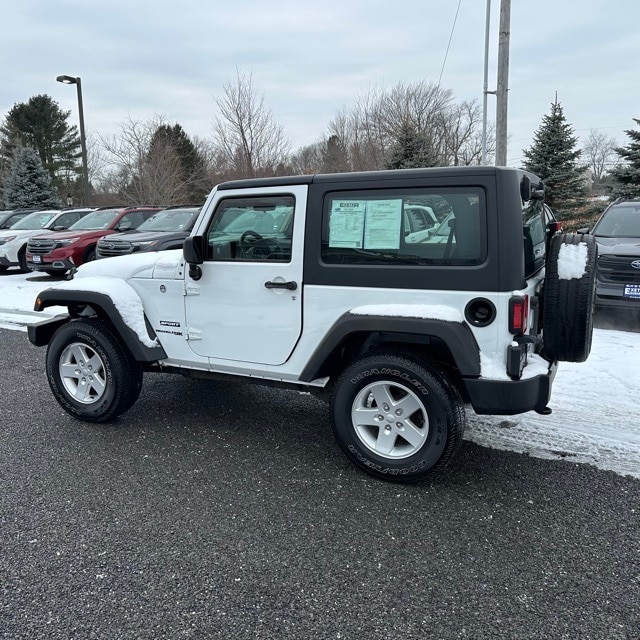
{"x":37,"y":259}
{"x":632,"y":290}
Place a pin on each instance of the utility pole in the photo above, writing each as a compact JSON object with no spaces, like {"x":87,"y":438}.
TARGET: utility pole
{"x":503,"y":83}
{"x":485,"y":88}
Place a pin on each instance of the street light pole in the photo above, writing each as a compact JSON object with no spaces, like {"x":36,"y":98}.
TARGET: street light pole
{"x":83,"y":140}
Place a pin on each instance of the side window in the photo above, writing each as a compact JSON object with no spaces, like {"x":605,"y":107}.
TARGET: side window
{"x":535,"y":234}
{"x":133,"y":219}
{"x":406,"y":227}
{"x":250,"y":229}
{"x":66,"y":220}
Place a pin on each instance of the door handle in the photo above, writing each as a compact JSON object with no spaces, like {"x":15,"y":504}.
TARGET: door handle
{"x":292,"y":286}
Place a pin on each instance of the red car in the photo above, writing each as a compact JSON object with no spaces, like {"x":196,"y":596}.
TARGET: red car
{"x":58,"y":253}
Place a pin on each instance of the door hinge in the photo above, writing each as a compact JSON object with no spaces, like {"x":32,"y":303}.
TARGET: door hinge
{"x":191,"y":289}
{"x":194,"y":334}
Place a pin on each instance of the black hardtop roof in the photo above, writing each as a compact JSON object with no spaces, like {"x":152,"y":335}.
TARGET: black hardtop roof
{"x":373,"y":176}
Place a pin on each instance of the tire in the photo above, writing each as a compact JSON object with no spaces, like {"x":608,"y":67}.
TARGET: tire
{"x":568,"y":303}
{"x":22,"y":260}
{"x":419,"y":431}
{"x":89,"y":255}
{"x":92,"y":374}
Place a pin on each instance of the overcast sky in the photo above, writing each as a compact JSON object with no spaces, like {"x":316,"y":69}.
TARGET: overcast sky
{"x":139,"y":58}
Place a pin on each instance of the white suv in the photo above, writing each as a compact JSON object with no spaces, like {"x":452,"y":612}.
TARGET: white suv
{"x":317,"y":283}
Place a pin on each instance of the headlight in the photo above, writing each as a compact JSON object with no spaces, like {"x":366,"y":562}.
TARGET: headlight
{"x":65,"y":243}
{"x":146,"y":243}
{"x":7,"y":239}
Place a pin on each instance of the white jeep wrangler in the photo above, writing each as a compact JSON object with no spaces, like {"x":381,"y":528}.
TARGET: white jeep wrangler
{"x":400,"y":296}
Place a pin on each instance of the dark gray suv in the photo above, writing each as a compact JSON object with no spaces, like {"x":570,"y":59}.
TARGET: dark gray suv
{"x":617,"y":233}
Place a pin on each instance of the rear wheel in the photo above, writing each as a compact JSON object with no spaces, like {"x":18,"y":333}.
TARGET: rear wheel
{"x":569,"y":295}
{"x":396,"y":417}
{"x":92,"y":374}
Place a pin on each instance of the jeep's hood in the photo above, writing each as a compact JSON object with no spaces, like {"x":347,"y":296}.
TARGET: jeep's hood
{"x":153,"y":264}
{"x":619,"y":246}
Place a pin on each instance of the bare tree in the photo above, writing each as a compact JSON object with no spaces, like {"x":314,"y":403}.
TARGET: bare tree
{"x":146,"y":166}
{"x":374,"y":128}
{"x":599,"y":152}
{"x":248,"y":141}
{"x":127,"y":152}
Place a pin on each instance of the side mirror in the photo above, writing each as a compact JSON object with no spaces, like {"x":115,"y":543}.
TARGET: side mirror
{"x":583,"y":230}
{"x":193,"y":250}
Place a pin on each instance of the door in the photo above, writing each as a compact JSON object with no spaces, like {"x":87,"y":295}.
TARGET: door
{"x":247,"y":304}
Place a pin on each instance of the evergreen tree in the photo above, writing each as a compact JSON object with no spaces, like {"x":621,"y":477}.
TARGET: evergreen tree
{"x":28,"y":184}
{"x":41,"y":125}
{"x":412,"y":150}
{"x":627,"y":175}
{"x":553,"y":156}
{"x":173,"y":144}
{"x":335,"y":158}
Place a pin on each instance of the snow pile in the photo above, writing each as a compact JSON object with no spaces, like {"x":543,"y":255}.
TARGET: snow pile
{"x":572,"y":261}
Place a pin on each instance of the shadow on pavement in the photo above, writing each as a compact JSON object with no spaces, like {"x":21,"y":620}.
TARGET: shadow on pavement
{"x":618,"y":319}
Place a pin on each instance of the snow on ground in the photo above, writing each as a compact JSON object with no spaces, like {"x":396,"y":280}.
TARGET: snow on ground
{"x":595,"y":417}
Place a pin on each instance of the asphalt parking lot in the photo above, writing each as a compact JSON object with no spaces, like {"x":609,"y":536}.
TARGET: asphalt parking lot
{"x":219,"y":510}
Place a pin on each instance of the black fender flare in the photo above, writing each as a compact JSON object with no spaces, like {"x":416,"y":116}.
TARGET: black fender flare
{"x":40,"y":333}
{"x":457,"y":336}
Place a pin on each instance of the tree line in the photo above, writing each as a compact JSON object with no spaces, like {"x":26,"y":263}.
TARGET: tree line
{"x":409,"y":125}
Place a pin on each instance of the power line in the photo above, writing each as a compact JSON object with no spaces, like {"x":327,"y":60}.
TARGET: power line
{"x":449,"y":43}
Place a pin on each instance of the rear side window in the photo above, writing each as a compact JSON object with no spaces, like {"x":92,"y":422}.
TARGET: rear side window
{"x":534,"y":227}
{"x":405,"y":227}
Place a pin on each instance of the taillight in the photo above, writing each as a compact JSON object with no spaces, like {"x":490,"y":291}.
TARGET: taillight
{"x":518,"y":314}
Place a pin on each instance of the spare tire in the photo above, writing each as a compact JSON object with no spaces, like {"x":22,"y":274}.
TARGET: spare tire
{"x":569,"y":294}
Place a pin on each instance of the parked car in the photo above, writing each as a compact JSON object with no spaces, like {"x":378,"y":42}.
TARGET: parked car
{"x":13,"y":245}
{"x":308,"y":282}
{"x":10,"y":239}
{"x":166,"y":229}
{"x":9,"y":218}
{"x":58,"y":253}
{"x":617,"y":234}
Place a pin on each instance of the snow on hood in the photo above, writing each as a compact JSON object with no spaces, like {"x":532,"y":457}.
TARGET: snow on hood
{"x":124,"y":297}
{"x":109,"y":276}
{"x":424,"y":311}
{"x":139,"y":265}
{"x":572,"y":261}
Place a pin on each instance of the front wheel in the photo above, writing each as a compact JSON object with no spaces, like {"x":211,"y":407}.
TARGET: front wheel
{"x":92,"y":374}
{"x":396,"y":417}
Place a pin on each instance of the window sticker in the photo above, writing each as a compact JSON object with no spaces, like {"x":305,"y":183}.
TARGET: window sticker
{"x":382,"y":224}
{"x":346,"y":223}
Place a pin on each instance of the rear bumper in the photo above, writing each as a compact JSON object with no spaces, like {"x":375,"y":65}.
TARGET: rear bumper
{"x":509,"y":397}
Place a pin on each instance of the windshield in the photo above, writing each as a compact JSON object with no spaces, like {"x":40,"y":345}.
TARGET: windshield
{"x":35,"y":220}
{"x":97,"y":220}
{"x":621,"y":221}
{"x":171,"y":220}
